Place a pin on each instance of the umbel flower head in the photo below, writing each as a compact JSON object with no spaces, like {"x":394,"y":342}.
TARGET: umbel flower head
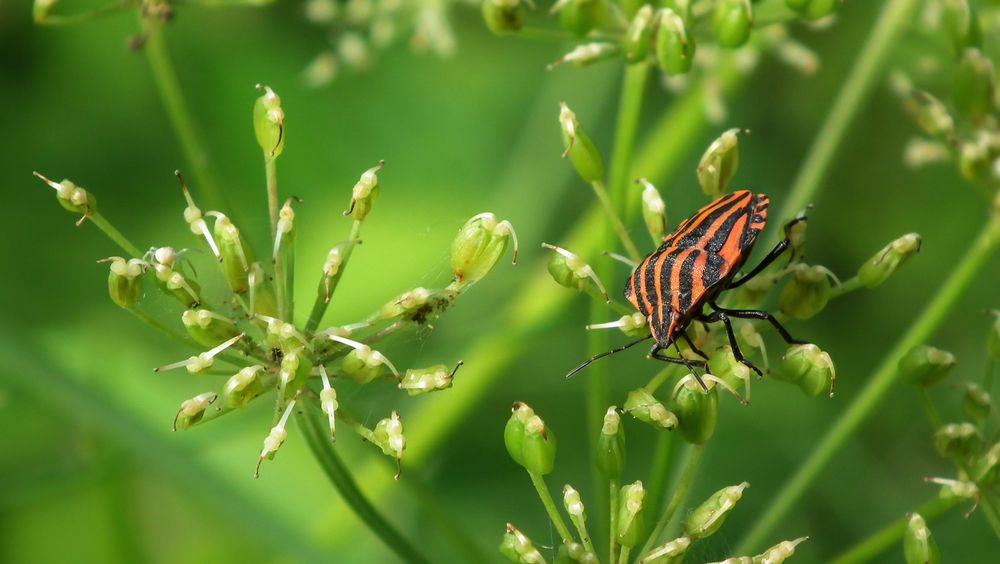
{"x":251,"y":333}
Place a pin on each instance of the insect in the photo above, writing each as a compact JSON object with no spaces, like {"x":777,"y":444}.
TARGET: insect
{"x":695,"y":263}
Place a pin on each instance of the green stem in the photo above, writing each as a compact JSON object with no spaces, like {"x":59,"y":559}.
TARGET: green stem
{"x":878,"y":386}
{"x":187,"y":133}
{"x":849,"y":285}
{"x":677,"y":499}
{"x":623,"y":557}
{"x":542,"y":488}
{"x":616,"y":222}
{"x":115,"y":235}
{"x":929,"y":409}
{"x":322,"y":298}
{"x":889,"y":536}
{"x":990,"y":514}
{"x":657,"y":380}
{"x":660,"y":472}
{"x":156,"y":324}
{"x":581,"y":528}
{"x":70,"y":19}
{"x":626,"y":126}
{"x":271,"y":176}
{"x":613,"y":486}
{"x":318,"y":437}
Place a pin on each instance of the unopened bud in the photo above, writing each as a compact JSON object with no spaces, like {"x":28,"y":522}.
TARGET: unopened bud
{"x":573,"y":503}
{"x":731,"y":22}
{"x":363,"y":364}
{"x":610,"y":453}
{"x":813,"y":9}
{"x":807,"y":291}
{"x":918,"y":544}
{"x":235,"y":253}
{"x":207,"y":327}
{"x":518,"y":548}
{"x":477,"y":248}
{"x":653,"y":210}
{"x":243,"y":386}
{"x":811,"y":368}
{"x":643,"y":406}
{"x":631,"y":526}
{"x":365,"y":193}
{"x":586,"y":54}
{"x":513,"y":432}
{"x":72,"y":198}
{"x":976,"y":403}
{"x":570,"y":271}
{"x":674,"y":47}
{"x":125,"y":281}
{"x":973,"y":89}
{"x":422,"y":380}
{"x":639,"y":35}
{"x":957,"y":441}
{"x":274,"y":439}
{"x":925,"y":365}
{"x":269,"y":123}
{"x":671,"y":553}
{"x":193,"y":410}
{"x":503,"y":16}
{"x":718,"y":164}
{"x":293,"y":373}
{"x":728,"y":369}
{"x":697,"y":409}
{"x":578,"y":146}
{"x":709,"y":516}
{"x":388,"y":436}
{"x":779,"y":552}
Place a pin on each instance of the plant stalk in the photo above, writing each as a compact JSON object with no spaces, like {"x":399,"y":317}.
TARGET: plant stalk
{"x":691,"y":464}
{"x":890,"y":535}
{"x":116,"y":236}
{"x":542,"y":488}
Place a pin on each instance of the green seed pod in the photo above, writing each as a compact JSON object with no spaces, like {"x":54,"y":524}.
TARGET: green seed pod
{"x":72,"y":198}
{"x":930,"y":114}
{"x":918,"y":544}
{"x":779,"y":552}
{"x":807,"y":291}
{"x":503,"y":16}
{"x":726,"y":368}
{"x":958,"y":441}
{"x":973,"y":90}
{"x":192,"y":410}
{"x":172,"y":282}
{"x":419,"y":304}
{"x":976,"y":403}
{"x":925,"y":365}
{"x":364,"y":193}
{"x":610,"y":457}
{"x":813,"y":9}
{"x":208,"y":328}
{"x":269,"y":123}
{"x":518,"y":548}
{"x":508,"y":545}
{"x":697,"y":410}
{"x":578,"y":146}
{"x":674,"y":48}
{"x":653,"y":211}
{"x":125,"y":281}
{"x":235,"y":252}
{"x":579,"y":16}
{"x":809,"y":367}
{"x":513,"y":432}
{"x":631,"y":526}
{"x":639,"y":35}
{"x":719,"y":163}
{"x":671,"y":553}
{"x":296,"y":367}
{"x":961,"y":25}
{"x":709,"y":516}
{"x":243,"y":387}
{"x":261,"y":295}
{"x":993,"y":339}
{"x":478,"y":247}
{"x":274,"y":439}
{"x":358,"y":365}
{"x":388,"y":436}
{"x":643,"y":406}
{"x":539,"y":446}
{"x":575,"y":553}
{"x":423,"y":380}
{"x":571,"y":271}
{"x":732,"y":21}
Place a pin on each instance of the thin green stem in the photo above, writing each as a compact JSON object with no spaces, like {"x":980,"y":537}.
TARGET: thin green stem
{"x":616,"y":222}
{"x":990,"y":514}
{"x":116,"y":236}
{"x":623,"y":556}
{"x":581,"y":529}
{"x":658,"y":379}
{"x":889,"y":536}
{"x":327,"y":287}
{"x":878,"y":385}
{"x":183,"y":123}
{"x":659,"y":472}
{"x":317,"y":435}
{"x":80,"y":17}
{"x":542,"y":488}
{"x":929,"y":409}
{"x":613,"y":486}
{"x":156,"y":324}
{"x":690,"y":470}
{"x":626,"y":128}
{"x":849,"y":285}
{"x":271,"y":176}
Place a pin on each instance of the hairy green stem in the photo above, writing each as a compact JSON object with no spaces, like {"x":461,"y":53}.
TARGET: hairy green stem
{"x":889,"y":536}
{"x":616,"y":221}
{"x":690,"y":470}
{"x":878,"y":385}
{"x":327,"y":287}
{"x":116,"y":236}
{"x":317,"y":436}
{"x":542,"y":488}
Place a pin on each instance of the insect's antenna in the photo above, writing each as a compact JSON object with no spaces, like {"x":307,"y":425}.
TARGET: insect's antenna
{"x":604,"y":354}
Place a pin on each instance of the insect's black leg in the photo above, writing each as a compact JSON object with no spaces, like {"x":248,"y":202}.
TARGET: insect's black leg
{"x":757,"y":314}
{"x":771,"y":256}
{"x":690,"y":364}
{"x":696,"y":350}
{"x":737,"y":353}
{"x":604,"y":354}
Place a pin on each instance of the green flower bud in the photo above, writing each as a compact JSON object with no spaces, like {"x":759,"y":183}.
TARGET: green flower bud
{"x":930,"y":114}
{"x":709,"y":516}
{"x":586,"y":54}
{"x":332,"y":266}
{"x":172,"y":282}
{"x":363,"y":364}
{"x":579,"y":16}
{"x":697,"y":410}
{"x":718,"y":164}
{"x":671,"y":553}
{"x":779,"y":552}
{"x":269,"y":123}
{"x":973,"y":90}
{"x":570,"y":271}
{"x":261,"y":295}
{"x":419,"y":305}
{"x":993,"y":339}
{"x":478,"y":247}
{"x":918,"y":544}
{"x":731,"y":22}
{"x":643,"y":406}
{"x":575,"y":553}
{"x":976,"y":403}
{"x":207,"y":327}
{"x":201,"y":362}
{"x":513,"y":432}
{"x":193,"y":410}
{"x":809,"y":367}
{"x":639,"y":35}
{"x":653,"y":211}
{"x":503,"y":16}
{"x":365,"y":193}
{"x":422,"y":380}
{"x":611,"y":446}
{"x":925,"y":366}
{"x":578,"y":146}
{"x":539,"y":447}
{"x":957,"y":441}
{"x":274,"y":439}
{"x":285,"y":336}
{"x":296,"y":367}
{"x":519,"y":548}
{"x":961,"y":25}
{"x":674,"y":48}
{"x":634,"y":325}
{"x":631,"y":526}
{"x":813,"y":9}
{"x":284,"y":236}
{"x":72,"y":198}
{"x":235,"y":252}
{"x":807,"y":291}
{"x":243,"y":386}
{"x":726,"y":368}
{"x":388,"y":436}
{"x":124,"y":280}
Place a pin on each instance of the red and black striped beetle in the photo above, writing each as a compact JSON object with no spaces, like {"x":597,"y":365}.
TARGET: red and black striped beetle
{"x":697,"y":262}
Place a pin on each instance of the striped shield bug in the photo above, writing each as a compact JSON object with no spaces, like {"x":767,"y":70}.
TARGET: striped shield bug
{"x":695,"y":263}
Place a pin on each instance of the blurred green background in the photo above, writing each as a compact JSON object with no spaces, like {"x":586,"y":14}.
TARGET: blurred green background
{"x":89,"y":468}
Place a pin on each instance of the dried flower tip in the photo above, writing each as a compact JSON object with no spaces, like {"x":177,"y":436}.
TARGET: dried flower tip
{"x":674,"y":48}
{"x":207,"y":327}
{"x":918,"y":544}
{"x":328,"y":402}
{"x":192,"y":410}
{"x":283,"y":230}
{"x":639,"y":34}
{"x":518,"y":548}
{"x":958,"y":441}
{"x":643,"y":406}
{"x":124,"y":282}
{"x":71,"y":197}
{"x":365,"y":193}
{"x":477,"y":248}
{"x":195,"y":219}
{"x":422,"y":380}
{"x":269,"y":123}
{"x":200,"y":363}
{"x":810,"y":367}
{"x":631,"y":526}
{"x":570,"y":271}
{"x":925,"y":365}
{"x":586,"y":54}
{"x":388,"y":435}
{"x":670,"y":553}
{"x":719,"y":163}
{"x":731,"y":22}
{"x":275,"y":438}
{"x":709,"y":516}
{"x":807,"y":291}
{"x":578,"y":147}
{"x":363,"y":364}
{"x":242,"y":386}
